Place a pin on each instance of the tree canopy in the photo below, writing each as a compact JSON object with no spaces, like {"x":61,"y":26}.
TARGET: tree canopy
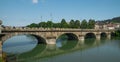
{"x":63,"y":24}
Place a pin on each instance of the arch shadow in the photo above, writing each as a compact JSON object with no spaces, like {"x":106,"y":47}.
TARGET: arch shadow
{"x":89,"y":38}
{"x":67,"y":41}
{"x":103,"y":36}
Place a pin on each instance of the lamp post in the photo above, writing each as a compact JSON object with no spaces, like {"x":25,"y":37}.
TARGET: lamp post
{"x":0,"y":25}
{"x":41,"y":21}
{"x":0,"y":39}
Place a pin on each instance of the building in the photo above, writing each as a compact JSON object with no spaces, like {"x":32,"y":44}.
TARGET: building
{"x":102,"y":25}
{"x":99,"y":25}
{"x":110,"y":26}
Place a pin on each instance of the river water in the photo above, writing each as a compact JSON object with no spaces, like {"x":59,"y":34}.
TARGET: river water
{"x":24,"y":48}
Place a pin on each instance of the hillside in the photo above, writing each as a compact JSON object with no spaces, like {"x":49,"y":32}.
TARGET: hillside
{"x":114,"y":20}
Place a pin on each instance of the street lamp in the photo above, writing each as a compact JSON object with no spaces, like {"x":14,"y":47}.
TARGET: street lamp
{"x":0,"y":22}
{"x":41,"y":21}
{"x":0,"y":25}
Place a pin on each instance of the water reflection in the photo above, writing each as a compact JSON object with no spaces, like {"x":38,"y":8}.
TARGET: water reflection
{"x":63,"y":47}
{"x":66,"y":44}
{"x":19,"y":44}
{"x":90,"y":41}
{"x":33,"y":53}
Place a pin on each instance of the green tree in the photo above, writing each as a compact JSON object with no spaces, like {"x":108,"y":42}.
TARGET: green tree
{"x":64,"y":24}
{"x":117,"y":33}
{"x":49,"y":24}
{"x":84,"y":24}
{"x":91,"y":24}
{"x":56,"y":25}
{"x":42,"y":24}
{"x":72,"y":24}
{"x":33,"y":25}
{"x":77,"y":24}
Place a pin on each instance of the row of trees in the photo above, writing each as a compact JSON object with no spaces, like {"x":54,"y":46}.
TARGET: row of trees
{"x":63,"y":24}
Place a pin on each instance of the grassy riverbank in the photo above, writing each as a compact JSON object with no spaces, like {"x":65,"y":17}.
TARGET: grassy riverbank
{"x":0,"y":59}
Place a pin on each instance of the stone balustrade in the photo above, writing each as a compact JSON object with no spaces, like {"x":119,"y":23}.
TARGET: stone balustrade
{"x":51,"y":29}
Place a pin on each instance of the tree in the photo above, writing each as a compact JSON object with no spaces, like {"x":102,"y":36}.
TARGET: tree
{"x":42,"y":24}
{"x":77,"y":24}
{"x":56,"y":25}
{"x":91,"y":24}
{"x":64,"y":24}
{"x":49,"y":24}
{"x":33,"y":25}
{"x":84,"y":24}
{"x":72,"y":24}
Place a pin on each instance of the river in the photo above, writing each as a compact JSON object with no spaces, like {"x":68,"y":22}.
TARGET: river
{"x":24,"y":48}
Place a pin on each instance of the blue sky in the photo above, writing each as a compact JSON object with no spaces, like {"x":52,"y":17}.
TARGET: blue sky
{"x":24,"y":12}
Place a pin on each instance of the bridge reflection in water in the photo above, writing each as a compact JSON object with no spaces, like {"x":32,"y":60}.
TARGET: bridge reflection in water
{"x":21,"y":53}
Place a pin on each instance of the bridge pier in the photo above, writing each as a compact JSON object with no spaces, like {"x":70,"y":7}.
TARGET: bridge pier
{"x":98,"y":36}
{"x":108,"y":36}
{"x":51,"y":41}
{"x":81,"y":38}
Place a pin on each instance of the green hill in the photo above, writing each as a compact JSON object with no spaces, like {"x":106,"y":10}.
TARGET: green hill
{"x":114,"y":20}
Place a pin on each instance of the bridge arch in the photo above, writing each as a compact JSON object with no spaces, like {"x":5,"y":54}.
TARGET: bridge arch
{"x":70,"y":36}
{"x":39,"y":38}
{"x":103,"y":35}
{"x":90,"y":38}
{"x":90,"y":35}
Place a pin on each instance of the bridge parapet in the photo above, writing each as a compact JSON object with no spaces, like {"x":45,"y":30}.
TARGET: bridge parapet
{"x":56,"y":29}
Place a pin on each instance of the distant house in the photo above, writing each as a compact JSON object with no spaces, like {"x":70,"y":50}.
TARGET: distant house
{"x":102,"y":25}
{"x":117,"y":25}
{"x":99,"y":25}
{"x":111,"y":26}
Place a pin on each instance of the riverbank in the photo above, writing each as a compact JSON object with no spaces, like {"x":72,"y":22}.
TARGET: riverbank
{"x":0,"y":59}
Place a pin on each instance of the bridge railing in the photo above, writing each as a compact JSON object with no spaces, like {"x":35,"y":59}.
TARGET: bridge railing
{"x":51,"y":29}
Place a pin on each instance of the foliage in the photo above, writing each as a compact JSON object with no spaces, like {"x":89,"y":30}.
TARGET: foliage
{"x":0,"y":59}
{"x":117,"y":33}
{"x":77,"y":24}
{"x":72,"y":25}
{"x":42,"y":24}
{"x":64,"y":24}
{"x":84,"y":24}
{"x":91,"y":24}
{"x":33,"y":25}
{"x":49,"y":24}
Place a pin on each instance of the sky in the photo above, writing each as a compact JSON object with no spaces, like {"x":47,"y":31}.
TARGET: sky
{"x":24,"y":12}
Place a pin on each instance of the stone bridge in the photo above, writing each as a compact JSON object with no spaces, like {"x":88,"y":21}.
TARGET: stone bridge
{"x":50,"y":35}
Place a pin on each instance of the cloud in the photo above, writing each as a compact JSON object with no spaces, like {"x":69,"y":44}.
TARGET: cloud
{"x":35,"y":1}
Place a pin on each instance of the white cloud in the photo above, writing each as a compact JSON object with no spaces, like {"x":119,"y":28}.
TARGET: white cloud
{"x":35,"y":1}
